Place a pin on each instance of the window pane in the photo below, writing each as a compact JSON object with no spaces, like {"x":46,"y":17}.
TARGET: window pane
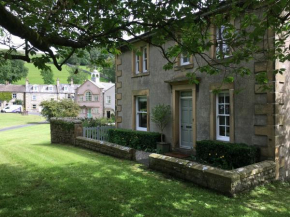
{"x":228,"y":120}
{"x":142,"y":120}
{"x":227,"y":99}
{"x":228,"y":131}
{"x":222,"y":120}
{"x":221,"y":98}
{"x":227,"y":109}
{"x":145,"y":65}
{"x":222,"y":131}
{"x":142,"y":104}
{"x":221,"y":109}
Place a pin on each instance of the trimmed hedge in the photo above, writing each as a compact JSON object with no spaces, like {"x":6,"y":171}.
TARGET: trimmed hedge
{"x":226,"y":155}
{"x":139,"y":140}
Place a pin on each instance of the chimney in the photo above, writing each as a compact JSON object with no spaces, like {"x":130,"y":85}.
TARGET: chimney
{"x":26,"y":82}
{"x":57,"y":82}
{"x":71,"y":82}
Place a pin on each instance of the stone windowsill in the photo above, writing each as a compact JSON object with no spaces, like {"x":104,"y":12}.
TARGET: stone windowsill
{"x":183,"y":67}
{"x":141,"y":74}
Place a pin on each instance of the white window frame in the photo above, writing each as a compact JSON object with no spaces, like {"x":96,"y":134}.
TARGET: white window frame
{"x":34,"y":88}
{"x":218,"y":136}
{"x":140,"y":112}
{"x":34,"y":106}
{"x":81,"y":98}
{"x":14,"y":95}
{"x":88,"y":96}
{"x":220,"y":44}
{"x":137,"y":63}
{"x":108,"y":99}
{"x":50,"y":88}
{"x":33,"y":98}
{"x":182,"y":62}
{"x":145,"y":59}
{"x":65,"y":88}
{"x":96,"y":98}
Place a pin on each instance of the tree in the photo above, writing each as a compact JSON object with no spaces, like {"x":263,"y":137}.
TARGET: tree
{"x":77,"y":75}
{"x":12,"y":71}
{"x":72,"y":26}
{"x":5,"y":96}
{"x":62,"y":108}
{"x":47,"y":76}
{"x":161,"y":116}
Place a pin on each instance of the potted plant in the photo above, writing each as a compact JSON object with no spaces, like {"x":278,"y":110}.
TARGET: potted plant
{"x":161,"y":116}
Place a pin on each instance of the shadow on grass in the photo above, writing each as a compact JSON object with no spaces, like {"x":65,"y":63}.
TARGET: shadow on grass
{"x":111,"y":187}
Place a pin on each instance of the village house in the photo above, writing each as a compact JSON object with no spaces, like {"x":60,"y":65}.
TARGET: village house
{"x":33,"y":94}
{"x":253,"y":116}
{"x":96,"y":99}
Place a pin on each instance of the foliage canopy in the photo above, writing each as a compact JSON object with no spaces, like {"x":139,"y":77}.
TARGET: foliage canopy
{"x":5,"y":96}
{"x":12,"y":71}
{"x":62,"y":108}
{"x":72,"y":26}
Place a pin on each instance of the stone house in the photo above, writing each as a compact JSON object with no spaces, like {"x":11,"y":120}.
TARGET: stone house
{"x":253,"y":116}
{"x":33,"y":94}
{"x":96,"y":99}
{"x":36,"y":93}
{"x":17,"y":91}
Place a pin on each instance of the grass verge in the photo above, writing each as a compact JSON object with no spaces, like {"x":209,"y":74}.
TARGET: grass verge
{"x":43,"y":179}
{"x":9,"y":119}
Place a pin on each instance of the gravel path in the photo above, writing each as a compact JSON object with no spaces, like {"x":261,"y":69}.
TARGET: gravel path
{"x":21,"y":126}
{"x":143,"y":157}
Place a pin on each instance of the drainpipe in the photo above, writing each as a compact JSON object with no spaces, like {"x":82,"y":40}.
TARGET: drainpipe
{"x":103,"y":104}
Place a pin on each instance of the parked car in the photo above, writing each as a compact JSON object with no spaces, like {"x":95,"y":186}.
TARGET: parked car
{"x":12,"y":109}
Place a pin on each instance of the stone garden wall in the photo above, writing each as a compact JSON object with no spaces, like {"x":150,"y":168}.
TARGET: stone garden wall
{"x":229,"y":182}
{"x":106,"y":148}
{"x":65,"y":130}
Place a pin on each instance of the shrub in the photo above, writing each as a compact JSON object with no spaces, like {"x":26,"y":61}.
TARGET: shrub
{"x":161,"y":116}
{"x":63,"y":108}
{"x":139,"y":140}
{"x":90,"y":122}
{"x":226,"y":155}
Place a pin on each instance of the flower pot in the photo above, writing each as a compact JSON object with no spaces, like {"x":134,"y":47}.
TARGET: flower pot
{"x":163,"y":147}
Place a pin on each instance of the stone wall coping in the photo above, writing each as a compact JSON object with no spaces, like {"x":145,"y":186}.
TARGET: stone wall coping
{"x":69,"y":120}
{"x":93,"y":141}
{"x":255,"y":168}
{"x":226,"y":181}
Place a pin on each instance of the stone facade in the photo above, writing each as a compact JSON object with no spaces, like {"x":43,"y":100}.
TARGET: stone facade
{"x":257,"y":117}
{"x":106,"y":148}
{"x":33,"y":94}
{"x":228,"y":182}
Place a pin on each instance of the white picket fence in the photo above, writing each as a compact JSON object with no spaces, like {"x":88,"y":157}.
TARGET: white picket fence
{"x":99,"y":132}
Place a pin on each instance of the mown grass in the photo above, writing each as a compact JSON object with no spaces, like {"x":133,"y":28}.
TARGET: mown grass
{"x":43,"y":179}
{"x":9,"y":120}
{"x":34,"y":76}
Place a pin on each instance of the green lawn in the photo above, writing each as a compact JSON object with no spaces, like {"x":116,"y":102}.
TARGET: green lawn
{"x":43,"y":179}
{"x":34,"y":76}
{"x":9,"y":120}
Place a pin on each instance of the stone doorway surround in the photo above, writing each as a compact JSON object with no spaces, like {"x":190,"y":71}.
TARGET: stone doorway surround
{"x":178,"y":85}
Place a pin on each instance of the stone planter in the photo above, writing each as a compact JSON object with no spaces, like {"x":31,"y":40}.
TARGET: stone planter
{"x":163,"y":147}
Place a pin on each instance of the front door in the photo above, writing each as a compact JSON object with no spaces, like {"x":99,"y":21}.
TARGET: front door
{"x":89,"y":113}
{"x":186,"y":120}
